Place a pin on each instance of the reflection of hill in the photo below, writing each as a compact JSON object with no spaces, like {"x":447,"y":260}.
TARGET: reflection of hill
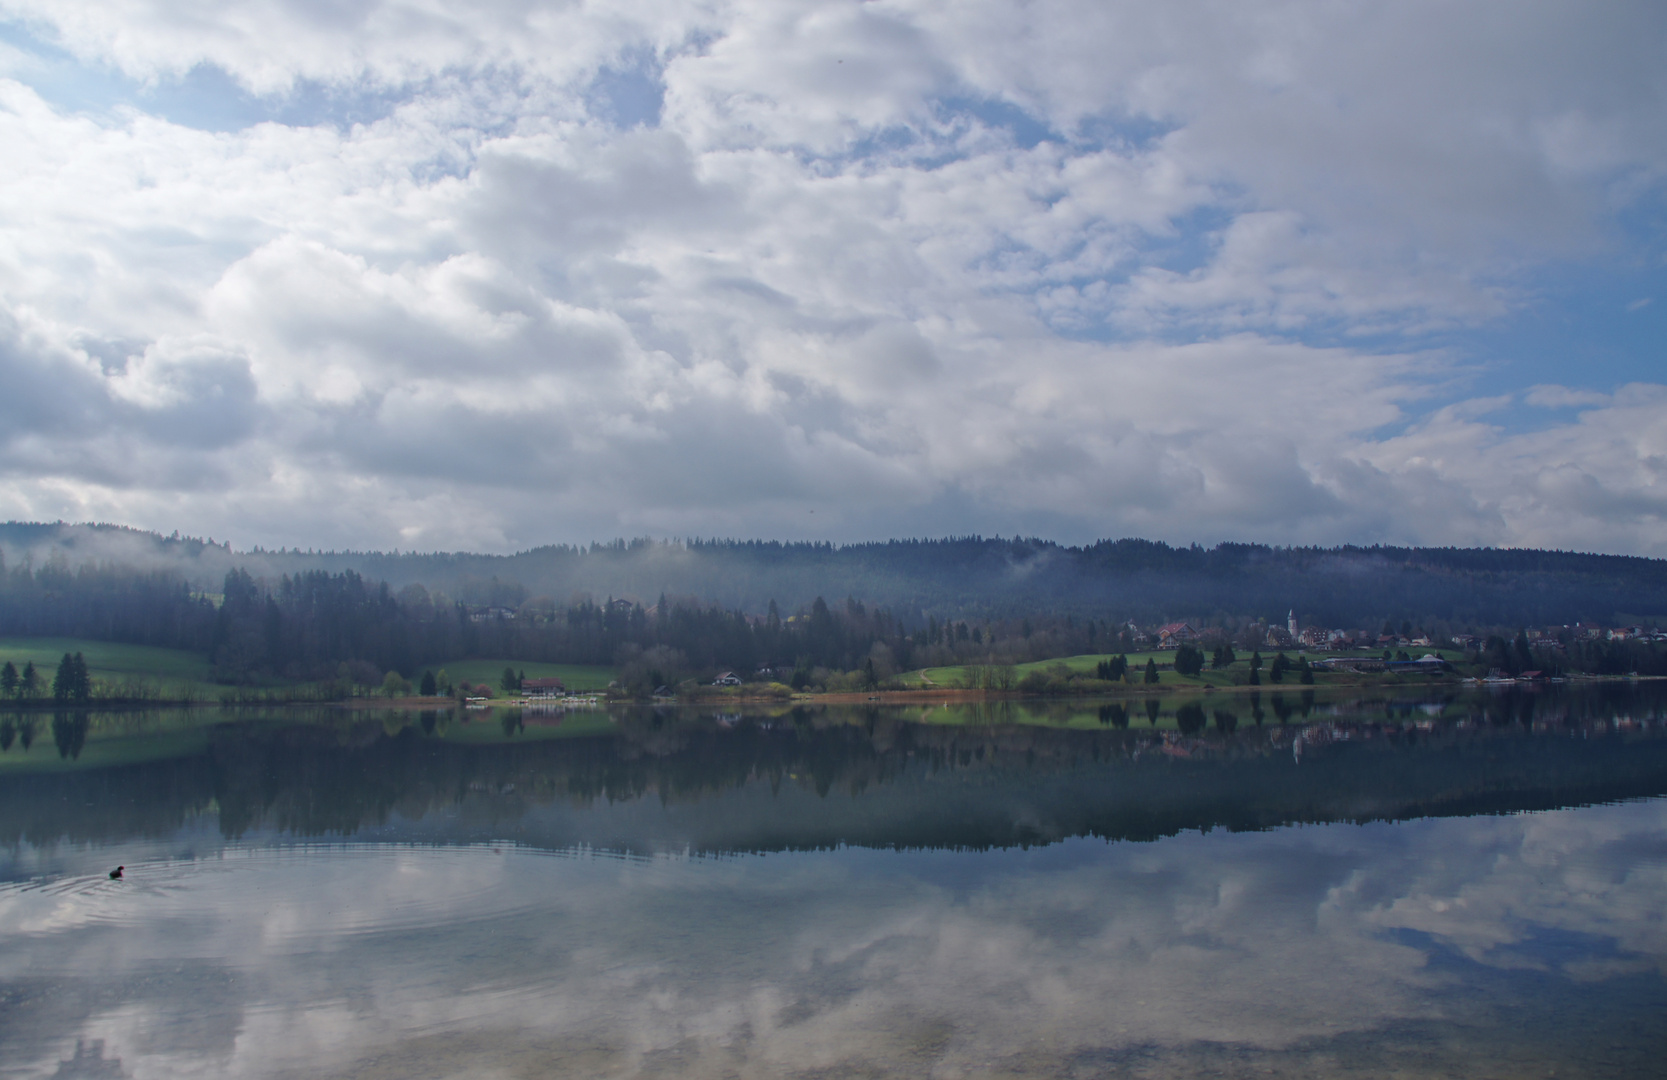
{"x":816,"y":779}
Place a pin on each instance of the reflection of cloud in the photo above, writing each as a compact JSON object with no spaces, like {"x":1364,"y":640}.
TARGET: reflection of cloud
{"x":1577,"y":872}
{"x":473,"y":960}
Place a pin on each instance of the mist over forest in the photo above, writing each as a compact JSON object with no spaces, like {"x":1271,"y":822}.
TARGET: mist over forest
{"x":961,"y":578}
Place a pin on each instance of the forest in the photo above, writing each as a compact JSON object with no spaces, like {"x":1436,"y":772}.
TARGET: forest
{"x":973,"y":579}
{"x":317,"y":624}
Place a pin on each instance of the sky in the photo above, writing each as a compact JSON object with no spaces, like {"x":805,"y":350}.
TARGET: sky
{"x":440,"y":275}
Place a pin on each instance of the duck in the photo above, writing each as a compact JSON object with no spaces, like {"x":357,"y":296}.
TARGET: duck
{"x":116,"y":874}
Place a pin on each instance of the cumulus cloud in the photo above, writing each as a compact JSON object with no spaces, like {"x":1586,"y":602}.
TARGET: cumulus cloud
{"x":917,"y":267}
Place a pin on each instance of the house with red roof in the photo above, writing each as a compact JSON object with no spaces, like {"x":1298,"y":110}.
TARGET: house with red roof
{"x":1176,"y":634}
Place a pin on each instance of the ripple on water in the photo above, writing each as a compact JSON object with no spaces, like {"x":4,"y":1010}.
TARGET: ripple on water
{"x":296,"y":894}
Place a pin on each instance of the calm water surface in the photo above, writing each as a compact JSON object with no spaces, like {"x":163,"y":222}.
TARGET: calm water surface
{"x":1458,"y":885}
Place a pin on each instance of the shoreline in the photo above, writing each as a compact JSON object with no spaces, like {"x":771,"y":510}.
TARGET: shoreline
{"x":921,"y":696}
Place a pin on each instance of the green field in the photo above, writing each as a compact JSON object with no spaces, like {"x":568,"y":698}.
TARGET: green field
{"x":574,"y":676}
{"x":181,"y":673}
{"x":185,"y":674}
{"x":1236,"y":675}
{"x":951,"y":677}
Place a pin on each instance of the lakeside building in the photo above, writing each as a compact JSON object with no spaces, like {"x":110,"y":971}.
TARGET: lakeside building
{"x":1176,"y":634}
{"x":543,"y":688}
{"x":1428,"y":663}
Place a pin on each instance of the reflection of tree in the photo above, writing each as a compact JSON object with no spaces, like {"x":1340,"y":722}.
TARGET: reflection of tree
{"x":1116,"y":714}
{"x":861,"y":776}
{"x":878,"y":780}
{"x":69,"y":732}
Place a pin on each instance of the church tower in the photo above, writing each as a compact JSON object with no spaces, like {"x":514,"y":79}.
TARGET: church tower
{"x":1291,"y":623}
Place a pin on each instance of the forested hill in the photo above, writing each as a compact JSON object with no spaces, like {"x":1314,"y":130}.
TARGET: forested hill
{"x":956,"y":578}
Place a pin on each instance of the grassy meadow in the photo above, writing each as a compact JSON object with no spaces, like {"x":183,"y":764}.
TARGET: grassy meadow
{"x":580,"y":677}
{"x":177,"y":673}
{"x":1238,"y":674}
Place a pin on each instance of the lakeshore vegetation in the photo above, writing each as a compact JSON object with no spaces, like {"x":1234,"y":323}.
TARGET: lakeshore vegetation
{"x":109,"y":631}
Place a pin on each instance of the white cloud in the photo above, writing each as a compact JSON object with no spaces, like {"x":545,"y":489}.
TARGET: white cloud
{"x":838,"y":274}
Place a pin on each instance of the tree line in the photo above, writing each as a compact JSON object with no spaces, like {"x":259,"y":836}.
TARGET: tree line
{"x":318,"y":626}
{"x":970,"y":578}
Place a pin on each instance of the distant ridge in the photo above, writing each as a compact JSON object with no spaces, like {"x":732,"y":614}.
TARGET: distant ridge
{"x":954,"y":577}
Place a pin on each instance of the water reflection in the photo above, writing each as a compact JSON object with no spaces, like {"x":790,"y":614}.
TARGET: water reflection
{"x":1478,"y":885}
{"x":1425,"y":948}
{"x":69,"y":732}
{"x":650,"y":780}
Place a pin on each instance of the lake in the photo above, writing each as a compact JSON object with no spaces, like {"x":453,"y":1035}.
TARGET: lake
{"x":1420,"y":882}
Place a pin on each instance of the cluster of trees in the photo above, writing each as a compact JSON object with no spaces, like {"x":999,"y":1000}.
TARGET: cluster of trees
{"x":1590,"y":656}
{"x":972,"y":579}
{"x":1189,"y":660}
{"x":318,"y":626}
{"x":72,"y":682}
{"x":1282,"y":666}
{"x":1112,"y":669}
{"x":19,"y":685}
{"x":103,"y":602}
{"x":321,"y":625}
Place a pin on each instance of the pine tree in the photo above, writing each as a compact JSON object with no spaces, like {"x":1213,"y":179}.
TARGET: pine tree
{"x":81,"y":680}
{"x":64,"y":679}
{"x":1113,"y":668}
{"x":429,"y":686}
{"x":1151,"y":675}
{"x":8,"y":679}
